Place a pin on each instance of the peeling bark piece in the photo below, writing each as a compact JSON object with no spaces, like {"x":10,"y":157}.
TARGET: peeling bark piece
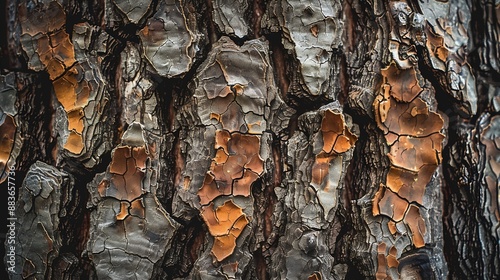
{"x":39,"y":210}
{"x":56,"y":53}
{"x":391,"y":205}
{"x":312,"y":31}
{"x":170,"y":39}
{"x":437,"y":50}
{"x":417,"y":226}
{"x":133,"y":10}
{"x":404,"y":111}
{"x":48,"y":46}
{"x":82,"y":92}
{"x":236,"y":166}
{"x":232,"y":87}
{"x":413,"y":118}
{"x":41,"y":18}
{"x":337,"y":139}
{"x":130,"y":230}
{"x":409,"y":126}
{"x":446,"y":41}
{"x":225,"y":224}
{"x":229,"y":17}
{"x":126,"y":185}
{"x":124,"y":246}
{"x":125,"y":177}
{"x":403,"y":82}
{"x":233,"y":105}
{"x":312,"y":196}
{"x":408,"y":152}
{"x":76,"y":78}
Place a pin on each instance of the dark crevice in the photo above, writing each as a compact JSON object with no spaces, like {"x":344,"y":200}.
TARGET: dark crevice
{"x":185,"y":249}
{"x":279,"y":60}
{"x":76,"y":223}
{"x":36,"y":113}
{"x":444,"y":99}
{"x":258,"y":8}
{"x":344,"y":80}
{"x":91,"y":11}
{"x":260,"y":266}
{"x":213,"y":34}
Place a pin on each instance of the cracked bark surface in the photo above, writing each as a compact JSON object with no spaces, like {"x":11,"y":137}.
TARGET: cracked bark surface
{"x":281,"y":139}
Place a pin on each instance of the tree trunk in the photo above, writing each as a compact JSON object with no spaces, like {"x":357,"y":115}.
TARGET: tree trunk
{"x":247,"y":139}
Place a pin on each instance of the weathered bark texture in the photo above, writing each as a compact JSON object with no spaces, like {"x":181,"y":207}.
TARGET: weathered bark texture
{"x":250,"y":139}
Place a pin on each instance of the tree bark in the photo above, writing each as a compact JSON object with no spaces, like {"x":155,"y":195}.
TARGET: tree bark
{"x":244,"y":139}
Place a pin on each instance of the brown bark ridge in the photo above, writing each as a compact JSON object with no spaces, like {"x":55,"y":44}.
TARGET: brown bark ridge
{"x":250,"y":139}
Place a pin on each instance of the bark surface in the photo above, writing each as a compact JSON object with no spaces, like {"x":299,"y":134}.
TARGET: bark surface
{"x":251,"y":139}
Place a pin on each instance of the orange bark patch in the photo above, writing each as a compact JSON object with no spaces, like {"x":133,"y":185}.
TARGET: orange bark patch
{"x":381,"y":261}
{"x":137,"y":208}
{"x":392,"y":260}
{"x":236,"y":166}
{"x":412,"y":118}
{"x":392,"y":205}
{"x":225,"y":224}
{"x":412,"y":133}
{"x":417,"y":226}
{"x":127,"y":171}
{"x":315,"y":276}
{"x":337,"y":139}
{"x":336,"y":136}
{"x":435,"y":44}
{"x":403,"y":82}
{"x":123,"y":211}
{"x":56,"y":53}
{"x":74,"y":143}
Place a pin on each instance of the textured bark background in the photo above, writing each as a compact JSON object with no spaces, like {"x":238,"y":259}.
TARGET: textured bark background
{"x":276,"y":139}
